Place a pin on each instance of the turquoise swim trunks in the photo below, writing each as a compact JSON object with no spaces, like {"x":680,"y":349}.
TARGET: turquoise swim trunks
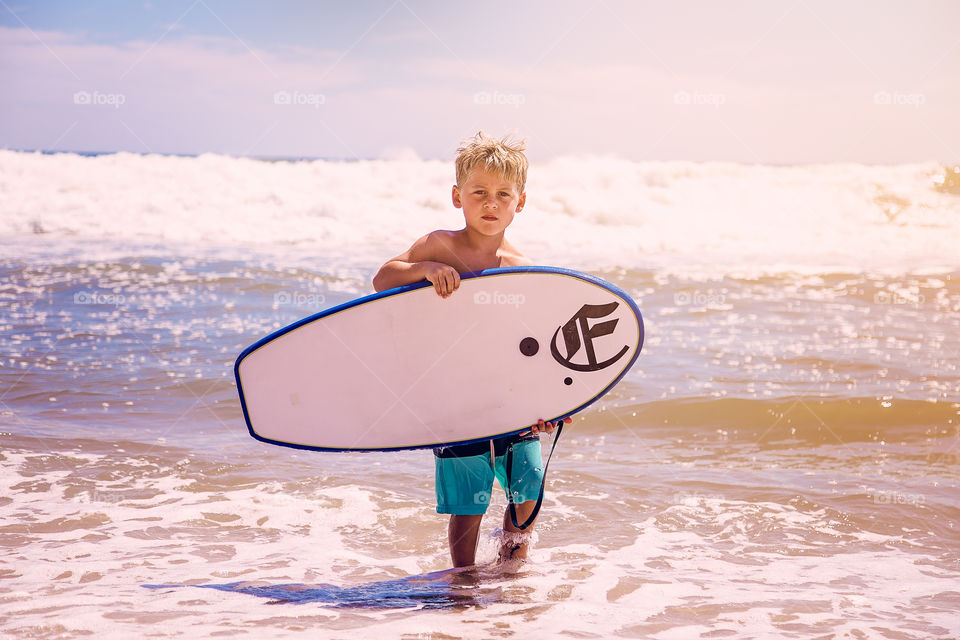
{"x":464,"y":483}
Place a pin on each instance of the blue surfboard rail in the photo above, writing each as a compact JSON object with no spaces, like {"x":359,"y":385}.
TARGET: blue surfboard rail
{"x":612,"y":288}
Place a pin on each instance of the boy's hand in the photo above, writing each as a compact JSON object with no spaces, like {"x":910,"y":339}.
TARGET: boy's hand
{"x":444,"y":278}
{"x":547,"y":426}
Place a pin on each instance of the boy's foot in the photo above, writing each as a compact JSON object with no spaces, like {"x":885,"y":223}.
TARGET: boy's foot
{"x":513,"y":546}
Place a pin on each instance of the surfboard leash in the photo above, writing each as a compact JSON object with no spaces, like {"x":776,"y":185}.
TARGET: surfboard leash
{"x":543,"y":483}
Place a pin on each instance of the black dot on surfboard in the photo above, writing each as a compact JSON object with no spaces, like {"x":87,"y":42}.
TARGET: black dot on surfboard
{"x":568,"y":381}
{"x":529,"y":346}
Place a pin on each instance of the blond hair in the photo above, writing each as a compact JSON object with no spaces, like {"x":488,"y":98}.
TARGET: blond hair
{"x":504,"y":157}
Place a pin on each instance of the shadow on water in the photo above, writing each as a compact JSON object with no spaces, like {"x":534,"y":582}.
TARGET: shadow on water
{"x":449,"y":589}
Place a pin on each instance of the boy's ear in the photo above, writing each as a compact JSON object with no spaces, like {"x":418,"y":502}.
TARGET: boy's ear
{"x":522,"y":201}
{"x":456,"y":197}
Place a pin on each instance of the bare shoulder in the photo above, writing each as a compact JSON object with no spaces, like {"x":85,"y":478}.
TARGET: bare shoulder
{"x":434,"y":246}
{"x":510,"y":257}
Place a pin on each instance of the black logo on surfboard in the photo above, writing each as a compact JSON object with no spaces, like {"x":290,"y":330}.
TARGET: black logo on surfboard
{"x":578,"y":326}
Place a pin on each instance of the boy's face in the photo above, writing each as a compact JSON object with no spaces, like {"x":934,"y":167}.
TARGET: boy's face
{"x":489,"y":201}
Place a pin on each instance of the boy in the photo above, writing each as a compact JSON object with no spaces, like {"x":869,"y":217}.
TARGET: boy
{"x":491,"y":177}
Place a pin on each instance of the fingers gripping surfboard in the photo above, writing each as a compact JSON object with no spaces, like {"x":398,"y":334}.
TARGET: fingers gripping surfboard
{"x":407,"y":369}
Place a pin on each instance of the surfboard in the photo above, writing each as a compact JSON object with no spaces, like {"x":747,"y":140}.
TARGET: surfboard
{"x":407,"y":369}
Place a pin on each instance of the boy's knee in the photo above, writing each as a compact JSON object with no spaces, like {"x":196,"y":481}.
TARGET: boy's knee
{"x":524,"y":509}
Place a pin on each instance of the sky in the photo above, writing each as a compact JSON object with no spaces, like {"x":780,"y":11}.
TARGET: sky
{"x":791,"y":82}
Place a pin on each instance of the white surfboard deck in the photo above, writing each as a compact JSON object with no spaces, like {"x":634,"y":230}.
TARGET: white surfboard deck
{"x":407,"y":369}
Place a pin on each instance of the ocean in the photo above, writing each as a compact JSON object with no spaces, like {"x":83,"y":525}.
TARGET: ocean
{"x":782,"y":461}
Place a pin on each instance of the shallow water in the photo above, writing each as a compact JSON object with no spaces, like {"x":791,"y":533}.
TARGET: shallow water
{"x":781,"y":462}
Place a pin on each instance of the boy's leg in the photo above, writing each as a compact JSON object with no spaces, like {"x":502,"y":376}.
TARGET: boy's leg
{"x":463,"y":533}
{"x":463,"y":487}
{"x":525,"y":478}
{"x":514,"y":545}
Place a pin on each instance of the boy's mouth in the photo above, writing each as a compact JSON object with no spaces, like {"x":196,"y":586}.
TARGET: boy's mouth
{"x":488,"y":217}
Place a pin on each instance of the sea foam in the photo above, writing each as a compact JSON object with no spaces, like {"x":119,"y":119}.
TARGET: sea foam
{"x":587,"y":213}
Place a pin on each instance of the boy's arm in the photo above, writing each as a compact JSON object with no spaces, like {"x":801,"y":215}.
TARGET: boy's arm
{"x":413,"y":266}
